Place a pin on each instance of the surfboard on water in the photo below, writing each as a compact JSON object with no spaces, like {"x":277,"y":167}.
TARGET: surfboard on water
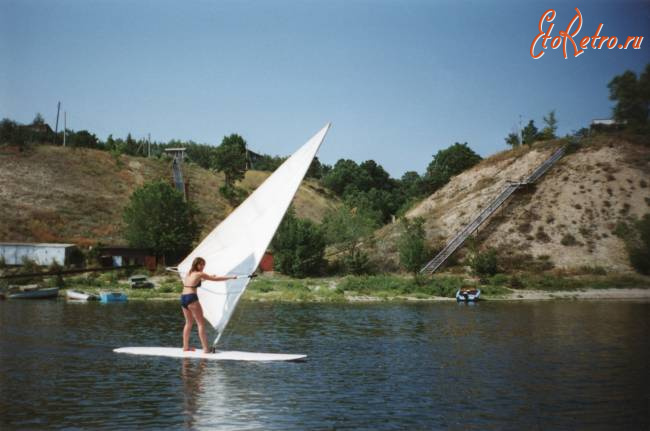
{"x":236,"y":247}
{"x":232,"y":355}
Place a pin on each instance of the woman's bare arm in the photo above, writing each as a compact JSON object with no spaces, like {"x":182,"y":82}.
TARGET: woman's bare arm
{"x":205,"y":276}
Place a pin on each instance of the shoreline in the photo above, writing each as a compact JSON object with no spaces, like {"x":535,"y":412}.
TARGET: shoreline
{"x":613,"y":294}
{"x":527,"y":295}
{"x":393,"y":288}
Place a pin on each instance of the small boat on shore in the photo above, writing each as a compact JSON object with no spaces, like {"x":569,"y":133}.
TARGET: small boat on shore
{"x":34,"y":291}
{"x":106,"y":297}
{"x":78,"y":295}
{"x":140,"y":282}
{"x":468,"y":294}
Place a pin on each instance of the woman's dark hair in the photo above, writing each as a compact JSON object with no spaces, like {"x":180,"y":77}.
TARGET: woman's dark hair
{"x":195,"y":263}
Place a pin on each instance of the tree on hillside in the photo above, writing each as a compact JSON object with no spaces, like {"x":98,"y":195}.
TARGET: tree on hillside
{"x":9,"y":132}
{"x":130,"y":145}
{"x":347,"y":227}
{"x":230,"y":158}
{"x":366,"y":185}
{"x":345,"y":174}
{"x":413,"y":250}
{"x":158,"y":218}
{"x":631,"y":96}
{"x":84,"y":139}
{"x":548,"y":132}
{"x":348,"y":177}
{"x":372,"y":202}
{"x":38,"y":120}
{"x":412,"y":185}
{"x":449,"y":162}
{"x":298,"y":247}
{"x":269,"y":163}
{"x":13,"y":133}
{"x":317,"y":169}
{"x":644,"y":85}
{"x":376,"y":176}
{"x":513,"y":140}
{"x":529,"y":133}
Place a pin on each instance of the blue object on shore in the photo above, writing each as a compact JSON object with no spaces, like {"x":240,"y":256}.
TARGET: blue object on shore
{"x":105,"y":297}
{"x":468,"y":295}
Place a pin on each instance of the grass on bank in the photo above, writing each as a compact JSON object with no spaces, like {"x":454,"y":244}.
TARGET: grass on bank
{"x":369,"y":287}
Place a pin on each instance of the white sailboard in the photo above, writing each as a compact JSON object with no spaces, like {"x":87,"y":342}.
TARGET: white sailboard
{"x":236,"y":246}
{"x":232,"y":355}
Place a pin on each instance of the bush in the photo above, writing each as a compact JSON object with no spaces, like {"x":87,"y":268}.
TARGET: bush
{"x":515,"y":282}
{"x":568,"y":240}
{"x":58,"y":278}
{"x":234,"y":195}
{"x":375,"y":283}
{"x":347,"y":227}
{"x":445,"y":287}
{"x":29,"y":266}
{"x":298,"y":246}
{"x":357,"y":262}
{"x":637,"y":241}
{"x":447,"y":163}
{"x":413,"y":253}
{"x":158,"y":218}
{"x":595,"y":270}
{"x":485,"y":263}
{"x":640,"y":253}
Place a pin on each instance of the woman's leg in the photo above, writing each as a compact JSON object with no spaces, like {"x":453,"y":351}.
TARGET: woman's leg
{"x":197,"y":311}
{"x":187,"y":329}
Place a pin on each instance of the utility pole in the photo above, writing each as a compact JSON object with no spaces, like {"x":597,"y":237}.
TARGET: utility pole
{"x":56,"y":128}
{"x":148,"y":144}
{"x":65,"y":126}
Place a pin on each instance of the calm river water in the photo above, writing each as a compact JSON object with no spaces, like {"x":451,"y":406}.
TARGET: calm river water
{"x":534,"y":365}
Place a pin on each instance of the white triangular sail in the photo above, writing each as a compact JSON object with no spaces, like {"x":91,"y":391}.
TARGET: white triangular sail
{"x":236,"y":246}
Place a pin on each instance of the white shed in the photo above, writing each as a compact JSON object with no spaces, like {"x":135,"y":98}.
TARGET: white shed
{"x":44,"y":254}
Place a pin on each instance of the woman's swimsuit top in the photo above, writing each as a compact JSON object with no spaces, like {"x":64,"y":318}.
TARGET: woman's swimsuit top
{"x":195,"y":287}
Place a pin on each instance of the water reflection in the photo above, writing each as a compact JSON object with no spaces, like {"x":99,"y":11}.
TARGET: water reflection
{"x":191,"y":372}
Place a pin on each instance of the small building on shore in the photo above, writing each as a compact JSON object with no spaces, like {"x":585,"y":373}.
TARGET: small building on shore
{"x":266,"y":264}
{"x":118,"y":256}
{"x":17,"y":253}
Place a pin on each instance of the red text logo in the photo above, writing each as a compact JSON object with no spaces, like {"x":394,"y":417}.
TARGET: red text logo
{"x":567,"y":38}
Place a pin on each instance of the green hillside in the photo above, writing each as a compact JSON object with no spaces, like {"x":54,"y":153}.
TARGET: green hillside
{"x":77,"y":195}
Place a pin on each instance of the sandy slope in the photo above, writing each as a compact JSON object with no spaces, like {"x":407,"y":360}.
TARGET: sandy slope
{"x":567,"y":219}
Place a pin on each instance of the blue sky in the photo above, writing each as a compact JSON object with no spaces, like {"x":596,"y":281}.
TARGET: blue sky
{"x":399,"y":80}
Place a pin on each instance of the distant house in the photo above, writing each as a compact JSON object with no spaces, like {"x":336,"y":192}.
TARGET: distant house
{"x":127,"y":256}
{"x":252,"y":158}
{"x":603,"y":122}
{"x":606,"y":124}
{"x":40,"y":128}
{"x":15,"y":253}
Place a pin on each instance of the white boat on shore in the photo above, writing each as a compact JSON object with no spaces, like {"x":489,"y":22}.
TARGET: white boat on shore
{"x":468,"y":295}
{"x":79,"y":295}
{"x":33,"y":291}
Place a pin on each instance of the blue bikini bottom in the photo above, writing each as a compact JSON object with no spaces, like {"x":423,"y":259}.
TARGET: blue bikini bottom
{"x":188,"y":298}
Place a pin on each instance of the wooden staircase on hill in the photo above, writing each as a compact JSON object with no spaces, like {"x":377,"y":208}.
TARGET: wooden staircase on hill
{"x":462,"y":236}
{"x":178,"y":176}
